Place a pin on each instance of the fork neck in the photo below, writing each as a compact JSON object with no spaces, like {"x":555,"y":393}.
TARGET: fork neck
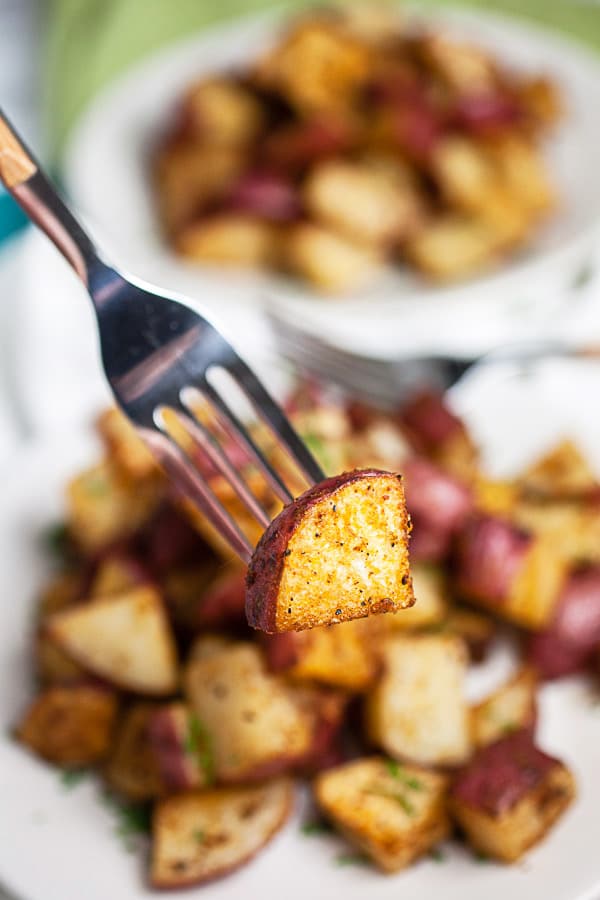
{"x":43,"y":205}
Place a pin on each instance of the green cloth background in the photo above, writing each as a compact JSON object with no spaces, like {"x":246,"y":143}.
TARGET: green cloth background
{"x":91,"y":41}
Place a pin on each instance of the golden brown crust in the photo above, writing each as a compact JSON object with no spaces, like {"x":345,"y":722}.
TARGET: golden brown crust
{"x":304,"y":569}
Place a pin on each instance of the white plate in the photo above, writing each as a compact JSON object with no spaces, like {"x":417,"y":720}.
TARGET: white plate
{"x":58,"y":845}
{"x":107,"y":168}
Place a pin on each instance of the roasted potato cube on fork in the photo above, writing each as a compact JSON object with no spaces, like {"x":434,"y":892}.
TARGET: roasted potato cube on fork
{"x":337,"y":552}
{"x":509,"y":796}
{"x":394,"y":813}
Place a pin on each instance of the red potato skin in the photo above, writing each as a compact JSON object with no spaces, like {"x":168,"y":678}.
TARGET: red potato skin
{"x":439,"y":506}
{"x":223,"y":601}
{"x":167,"y":739}
{"x":282,"y":651}
{"x":170,"y":541}
{"x":193,"y":882}
{"x":266,"y":565}
{"x":568,"y":644}
{"x":499,"y":775}
{"x":429,"y":423}
{"x":489,"y":555}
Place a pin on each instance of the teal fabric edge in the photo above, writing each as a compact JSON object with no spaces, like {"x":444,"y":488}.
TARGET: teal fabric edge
{"x":12,"y":219}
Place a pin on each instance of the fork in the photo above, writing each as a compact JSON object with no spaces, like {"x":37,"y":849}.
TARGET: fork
{"x":387,"y":383}
{"x":159,"y":357}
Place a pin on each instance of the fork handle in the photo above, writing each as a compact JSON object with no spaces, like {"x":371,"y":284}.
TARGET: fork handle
{"x":24,"y":178}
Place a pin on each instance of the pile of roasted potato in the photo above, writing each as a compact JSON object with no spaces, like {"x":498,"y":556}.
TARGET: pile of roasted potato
{"x":357,"y":140}
{"x":149,"y":674}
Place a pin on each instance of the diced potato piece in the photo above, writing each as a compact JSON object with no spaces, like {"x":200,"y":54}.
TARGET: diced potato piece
{"x":124,"y":446}
{"x":464,"y":67}
{"x":541,"y":99}
{"x":509,"y":795}
{"x":573,"y":529}
{"x":342,"y":656}
{"x":103,"y":508}
{"x":327,"y":709}
{"x":361,"y":201}
{"x":452,"y":247}
{"x":562,"y":473}
{"x":221,"y":112}
{"x":524,"y":173}
{"x":472,"y":183}
{"x":179,"y":746}
{"x":132,"y":769}
{"x":229,"y":238}
{"x":317,"y":66}
{"x":337,"y":552}
{"x":116,"y":574}
{"x":417,"y":711}
{"x":495,"y":497}
{"x":70,"y":725}
{"x":568,"y":643}
{"x":190,"y":175}
{"x":255,"y":726}
{"x":431,"y":600}
{"x":393,"y":813}
{"x":511,"y":707}
{"x":331,"y":262}
{"x":125,"y":639}
{"x":435,"y":430}
{"x":511,"y":571}
{"x":200,"y":836}
{"x":464,"y":171}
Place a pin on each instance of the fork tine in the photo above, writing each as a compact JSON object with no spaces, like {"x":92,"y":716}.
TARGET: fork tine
{"x":184,"y":474}
{"x":218,"y":458}
{"x":230,"y":420}
{"x":271,"y":414}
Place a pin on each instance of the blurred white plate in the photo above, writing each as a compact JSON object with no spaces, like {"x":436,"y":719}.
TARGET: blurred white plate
{"x":107,"y":172}
{"x":58,"y":844}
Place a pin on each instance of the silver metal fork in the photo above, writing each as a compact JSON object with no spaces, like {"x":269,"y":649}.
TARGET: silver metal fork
{"x":387,"y":383}
{"x":158,"y":355}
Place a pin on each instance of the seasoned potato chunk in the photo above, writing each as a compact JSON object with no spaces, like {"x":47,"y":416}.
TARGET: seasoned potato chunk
{"x":394,"y":813}
{"x":338,"y":552}
{"x":524,"y":173}
{"x":103,"y":508}
{"x":125,"y":639}
{"x":476,"y":629}
{"x":231,"y":238}
{"x":200,"y":836}
{"x":318,"y":66}
{"x":70,"y":725}
{"x":417,"y":711}
{"x":180,"y":748}
{"x":223,"y":112}
{"x":255,"y":725}
{"x":509,"y":795}
{"x":509,"y":570}
{"x":191,"y":176}
{"x":330,"y":261}
{"x":511,"y":707}
{"x":452,"y":247}
{"x":342,"y":656}
{"x":124,"y":446}
{"x":361,"y":201}
{"x":132,"y":768}
{"x":562,"y":473}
